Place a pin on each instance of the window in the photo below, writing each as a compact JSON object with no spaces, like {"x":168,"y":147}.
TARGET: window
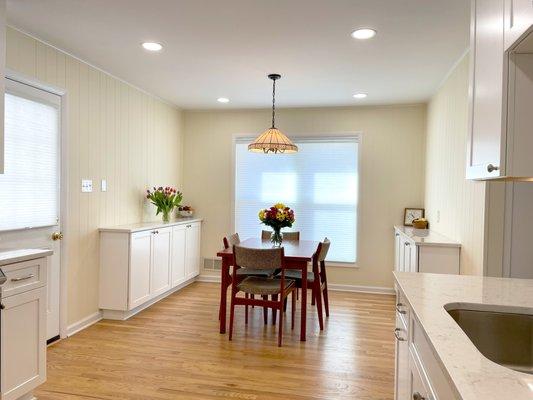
{"x":29,"y":187}
{"x":320,"y":183}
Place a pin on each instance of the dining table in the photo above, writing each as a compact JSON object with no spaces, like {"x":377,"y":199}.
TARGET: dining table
{"x":298,"y":253}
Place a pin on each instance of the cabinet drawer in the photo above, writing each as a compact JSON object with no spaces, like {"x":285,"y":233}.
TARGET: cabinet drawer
{"x":436,"y":377}
{"x":24,"y":276}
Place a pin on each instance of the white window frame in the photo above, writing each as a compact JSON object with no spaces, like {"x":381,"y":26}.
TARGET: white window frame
{"x":326,"y":137}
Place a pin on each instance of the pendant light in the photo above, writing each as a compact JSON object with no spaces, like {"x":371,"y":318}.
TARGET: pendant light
{"x":273,"y":140}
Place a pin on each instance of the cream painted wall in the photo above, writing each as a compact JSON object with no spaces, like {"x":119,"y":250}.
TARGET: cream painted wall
{"x":392,"y":173}
{"x":114,"y":132}
{"x":461,"y":203}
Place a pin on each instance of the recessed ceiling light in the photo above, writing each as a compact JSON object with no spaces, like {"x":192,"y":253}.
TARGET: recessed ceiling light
{"x":359,"y":95}
{"x":363,"y":33}
{"x":152,"y":46}
{"x":223,"y":100}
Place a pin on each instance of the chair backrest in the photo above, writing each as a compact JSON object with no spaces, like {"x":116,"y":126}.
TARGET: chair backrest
{"x":322,"y":250}
{"x":258,"y":258}
{"x":231,"y":240}
{"x":286,"y":235}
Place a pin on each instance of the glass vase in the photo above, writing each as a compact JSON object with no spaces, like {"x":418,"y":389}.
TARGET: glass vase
{"x":166,"y":216}
{"x":276,"y":237}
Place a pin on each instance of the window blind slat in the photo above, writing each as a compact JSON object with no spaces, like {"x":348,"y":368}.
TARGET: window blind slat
{"x":29,"y":188}
{"x":320,"y":183}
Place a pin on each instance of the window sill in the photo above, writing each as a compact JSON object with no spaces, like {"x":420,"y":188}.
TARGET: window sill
{"x":342,"y":265}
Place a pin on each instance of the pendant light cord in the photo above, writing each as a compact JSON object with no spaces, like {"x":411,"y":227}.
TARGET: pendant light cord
{"x":273,"y":102}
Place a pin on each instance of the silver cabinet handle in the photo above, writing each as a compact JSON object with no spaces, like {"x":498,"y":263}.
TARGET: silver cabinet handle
{"x":22,"y":278}
{"x":407,"y":244}
{"x":397,"y":335}
{"x":492,"y":168}
{"x":398,"y":309}
{"x":418,"y":396}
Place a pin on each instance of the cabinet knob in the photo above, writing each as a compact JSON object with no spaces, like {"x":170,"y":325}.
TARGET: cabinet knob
{"x":399,"y":310}
{"x":2,"y":306}
{"x":492,"y":168}
{"x":407,"y":244}
{"x":418,"y":396}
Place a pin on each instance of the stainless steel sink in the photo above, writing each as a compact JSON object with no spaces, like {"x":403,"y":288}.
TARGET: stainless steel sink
{"x":503,"y":337}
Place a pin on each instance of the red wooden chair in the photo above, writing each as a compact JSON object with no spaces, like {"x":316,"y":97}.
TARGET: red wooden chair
{"x":316,"y":280}
{"x":279,"y":289}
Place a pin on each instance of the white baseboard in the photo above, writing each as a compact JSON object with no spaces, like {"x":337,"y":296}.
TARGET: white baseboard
{"x":208,"y":278}
{"x":360,"y":289}
{"x":331,"y":286}
{"x":84,"y":323}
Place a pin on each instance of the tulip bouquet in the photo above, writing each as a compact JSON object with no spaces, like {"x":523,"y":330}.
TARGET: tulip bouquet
{"x":165,"y":199}
{"x":277,"y":217}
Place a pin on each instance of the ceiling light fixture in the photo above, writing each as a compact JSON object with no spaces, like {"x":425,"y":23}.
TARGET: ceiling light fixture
{"x":152,"y":46}
{"x":359,"y":95}
{"x":363,"y":33}
{"x":273,"y":140}
{"x":223,"y":100}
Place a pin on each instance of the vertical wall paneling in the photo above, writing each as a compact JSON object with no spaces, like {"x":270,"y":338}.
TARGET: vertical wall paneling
{"x":115,"y":132}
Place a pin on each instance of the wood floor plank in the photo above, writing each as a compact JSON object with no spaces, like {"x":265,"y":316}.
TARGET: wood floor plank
{"x":173,"y":351}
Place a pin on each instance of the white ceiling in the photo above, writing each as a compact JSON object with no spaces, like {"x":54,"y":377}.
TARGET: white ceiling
{"x":215,"y":48}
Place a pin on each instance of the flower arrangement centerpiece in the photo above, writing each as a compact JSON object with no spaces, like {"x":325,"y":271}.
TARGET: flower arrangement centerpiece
{"x":165,"y":199}
{"x":277,"y":217}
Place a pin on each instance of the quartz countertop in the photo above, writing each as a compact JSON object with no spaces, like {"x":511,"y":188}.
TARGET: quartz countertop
{"x":19,"y":255}
{"x":145,"y":226}
{"x":426,"y":237}
{"x":473,"y":376}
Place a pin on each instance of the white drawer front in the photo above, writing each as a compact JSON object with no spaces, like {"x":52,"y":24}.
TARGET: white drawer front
{"x":24,"y":276}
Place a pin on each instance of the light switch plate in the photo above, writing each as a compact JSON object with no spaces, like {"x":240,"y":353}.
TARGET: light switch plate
{"x":86,"y":185}
{"x":103,"y":185}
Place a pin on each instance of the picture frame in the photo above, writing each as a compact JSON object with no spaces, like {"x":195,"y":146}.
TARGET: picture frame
{"x":411,"y":213}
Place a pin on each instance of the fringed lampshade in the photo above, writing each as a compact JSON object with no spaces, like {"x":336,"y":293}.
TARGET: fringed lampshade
{"x":273,"y":140}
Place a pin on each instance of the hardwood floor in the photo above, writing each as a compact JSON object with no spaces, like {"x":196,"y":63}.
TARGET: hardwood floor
{"x":173,"y":351}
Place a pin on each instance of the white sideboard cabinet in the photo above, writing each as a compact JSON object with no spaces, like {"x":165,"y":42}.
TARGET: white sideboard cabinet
{"x":422,"y":250}
{"x":142,"y":263}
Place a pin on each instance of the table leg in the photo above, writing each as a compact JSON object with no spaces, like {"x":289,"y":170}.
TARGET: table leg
{"x":304,"y":303}
{"x":224,"y":283}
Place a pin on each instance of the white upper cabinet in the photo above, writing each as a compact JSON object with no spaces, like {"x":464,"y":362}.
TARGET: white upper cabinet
{"x":484,"y":146}
{"x":501,"y":90}
{"x":518,"y":20}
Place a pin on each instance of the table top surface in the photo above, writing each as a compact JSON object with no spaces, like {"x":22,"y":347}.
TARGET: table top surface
{"x":294,"y":249}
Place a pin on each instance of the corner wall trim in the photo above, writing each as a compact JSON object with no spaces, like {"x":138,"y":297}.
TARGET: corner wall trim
{"x":331,"y":286}
{"x":84,"y":323}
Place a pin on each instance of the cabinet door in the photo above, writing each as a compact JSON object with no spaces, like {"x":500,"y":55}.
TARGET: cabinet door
{"x":413,"y":258}
{"x":178,"y":255}
{"x":518,"y":19}
{"x":418,"y":387}
{"x":140,"y":261}
{"x":407,"y":256}
{"x":402,"y":388}
{"x":160,"y":272}
{"x":396,"y":251}
{"x":23,"y":343}
{"x":192,"y":250}
{"x":485,"y":146}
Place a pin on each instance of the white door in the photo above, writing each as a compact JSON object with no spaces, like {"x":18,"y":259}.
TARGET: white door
{"x":178,"y":255}
{"x":30,"y":186}
{"x":160,"y":274}
{"x":192,"y":250}
{"x":140,"y":262}
{"x":23,"y":349}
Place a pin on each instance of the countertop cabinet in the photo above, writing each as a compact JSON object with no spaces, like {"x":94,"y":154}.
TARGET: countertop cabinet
{"x":421,"y":250}
{"x":23,"y":328}
{"x":139,"y":267}
{"x":501,"y":90}
{"x":485,"y":139}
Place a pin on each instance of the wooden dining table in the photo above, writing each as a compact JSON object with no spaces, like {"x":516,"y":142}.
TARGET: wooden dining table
{"x":297,"y":254}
